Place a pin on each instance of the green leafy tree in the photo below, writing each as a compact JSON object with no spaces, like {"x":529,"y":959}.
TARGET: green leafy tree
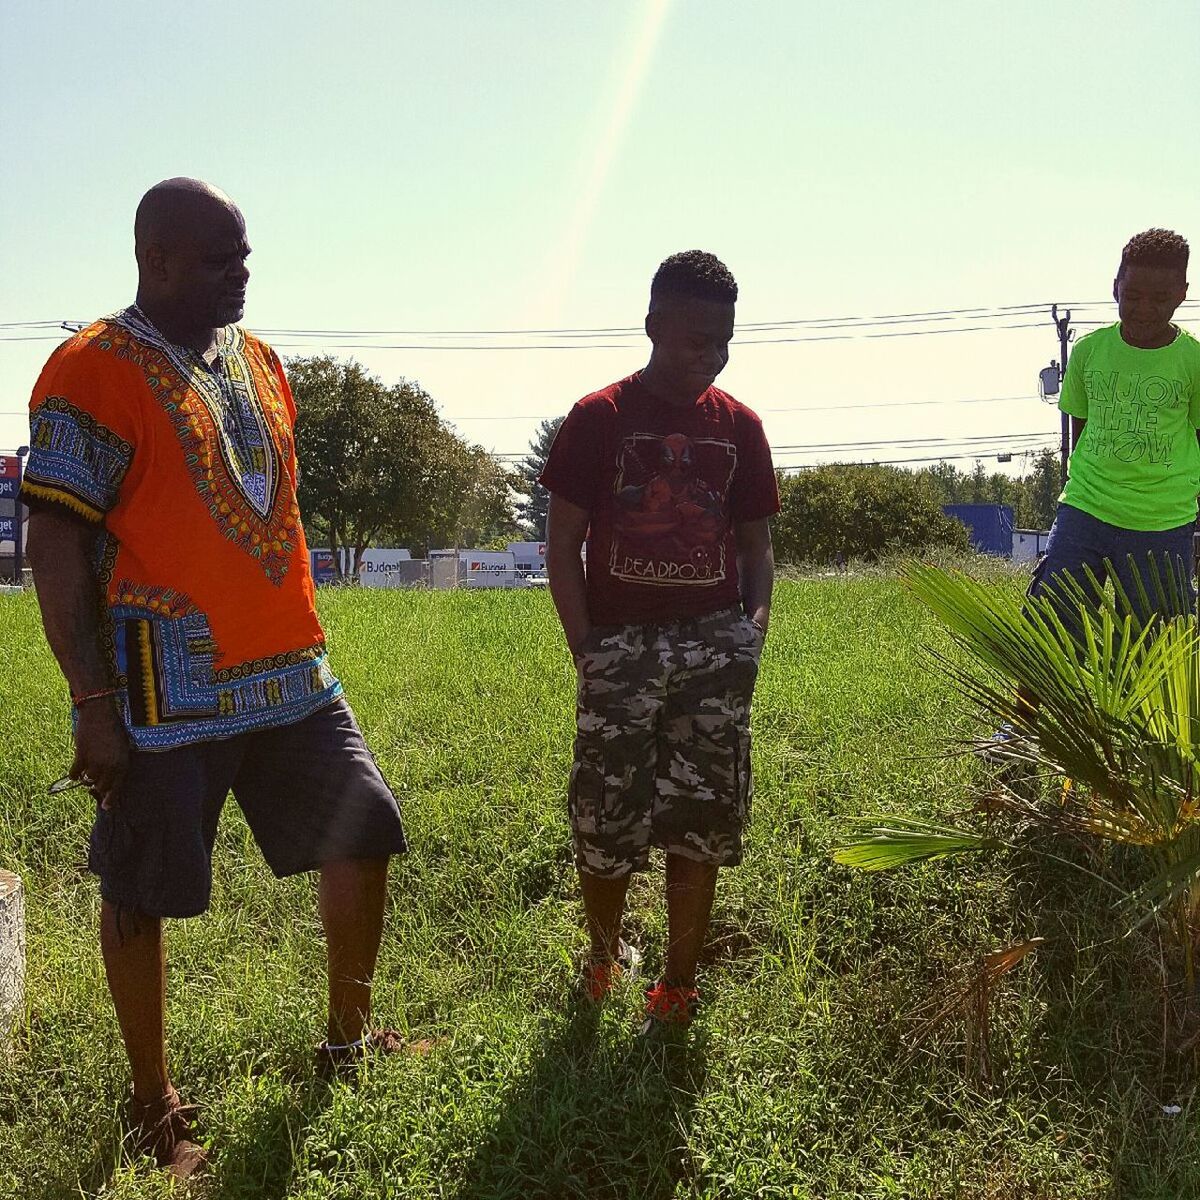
{"x":1003,"y":489}
{"x":1032,"y":497}
{"x":376,"y":460}
{"x":534,"y":509}
{"x":978,"y":487}
{"x":948,"y":481}
{"x":859,"y":511}
{"x":480,"y":508}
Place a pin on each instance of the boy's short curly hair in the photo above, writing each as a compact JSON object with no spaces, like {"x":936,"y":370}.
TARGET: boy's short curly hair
{"x":1155,"y":248}
{"x":695,"y":274}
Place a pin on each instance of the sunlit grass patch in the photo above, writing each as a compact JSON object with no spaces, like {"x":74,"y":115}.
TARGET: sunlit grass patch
{"x":810,"y":1072}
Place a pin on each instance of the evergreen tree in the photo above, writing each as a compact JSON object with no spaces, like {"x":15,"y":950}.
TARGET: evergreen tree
{"x":980,"y":491}
{"x":1042,"y":487}
{"x":533,"y":511}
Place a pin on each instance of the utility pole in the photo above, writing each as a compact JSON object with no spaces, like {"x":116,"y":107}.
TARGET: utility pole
{"x":1065,"y":334}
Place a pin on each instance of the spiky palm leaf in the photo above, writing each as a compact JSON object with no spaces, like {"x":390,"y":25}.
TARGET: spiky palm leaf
{"x":898,"y":841}
{"x":1117,"y":711}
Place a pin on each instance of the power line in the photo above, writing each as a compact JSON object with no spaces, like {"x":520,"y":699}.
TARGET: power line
{"x":946,"y":457}
{"x":1008,"y":439}
{"x":978,"y":312}
{"x":501,"y":347}
{"x":976,"y":450}
{"x":891,"y":462}
{"x":964,"y":314}
{"x":573,"y":346}
{"x":489,"y":347}
{"x":830,"y":408}
{"x":577,"y":344}
{"x":833,"y":408}
{"x":927,"y":441}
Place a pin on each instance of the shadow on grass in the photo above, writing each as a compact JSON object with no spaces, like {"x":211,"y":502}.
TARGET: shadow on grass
{"x":255,"y":1159}
{"x":599,"y":1114}
{"x":1117,"y":1021}
{"x":258,"y":1159}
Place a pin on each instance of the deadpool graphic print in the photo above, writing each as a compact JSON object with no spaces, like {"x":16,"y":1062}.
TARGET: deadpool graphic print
{"x":671,"y":511}
{"x":664,"y":488}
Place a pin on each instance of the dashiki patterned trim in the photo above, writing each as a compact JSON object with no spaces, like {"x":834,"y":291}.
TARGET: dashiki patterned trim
{"x":278,"y":662}
{"x":163,"y":602}
{"x":74,"y":460}
{"x":106,"y":558}
{"x":239,"y":411}
{"x":172,"y":694}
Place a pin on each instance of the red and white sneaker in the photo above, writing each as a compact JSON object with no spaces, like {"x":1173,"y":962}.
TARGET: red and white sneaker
{"x":599,"y":978}
{"x":669,"y":1007}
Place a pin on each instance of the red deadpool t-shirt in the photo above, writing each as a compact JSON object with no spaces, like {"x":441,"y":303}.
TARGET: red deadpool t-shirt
{"x":664,"y":486}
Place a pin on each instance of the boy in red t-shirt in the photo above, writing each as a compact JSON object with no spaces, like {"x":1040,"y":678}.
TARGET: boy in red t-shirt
{"x":670,"y":481}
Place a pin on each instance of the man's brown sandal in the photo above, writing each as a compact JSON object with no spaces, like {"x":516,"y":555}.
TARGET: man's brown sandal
{"x":162,"y":1129}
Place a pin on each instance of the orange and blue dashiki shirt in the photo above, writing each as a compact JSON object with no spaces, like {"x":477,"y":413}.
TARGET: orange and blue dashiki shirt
{"x":188,"y":470}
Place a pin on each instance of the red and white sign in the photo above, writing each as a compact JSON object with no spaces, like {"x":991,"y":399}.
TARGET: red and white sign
{"x":10,"y":474}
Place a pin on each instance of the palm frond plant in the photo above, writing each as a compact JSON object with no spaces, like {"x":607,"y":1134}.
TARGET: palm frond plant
{"x":1117,"y":713}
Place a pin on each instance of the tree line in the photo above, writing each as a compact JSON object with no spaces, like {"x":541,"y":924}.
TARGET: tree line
{"x":379,"y":465}
{"x":851,"y":510}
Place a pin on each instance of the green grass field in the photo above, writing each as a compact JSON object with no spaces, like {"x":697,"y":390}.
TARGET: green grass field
{"x":814,"y":1070}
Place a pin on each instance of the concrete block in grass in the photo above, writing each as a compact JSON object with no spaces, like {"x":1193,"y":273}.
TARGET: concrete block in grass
{"x":12,"y":953}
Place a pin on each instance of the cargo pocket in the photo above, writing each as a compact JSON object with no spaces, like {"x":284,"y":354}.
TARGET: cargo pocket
{"x":743,"y":776}
{"x":129,"y":858}
{"x":585,"y":795}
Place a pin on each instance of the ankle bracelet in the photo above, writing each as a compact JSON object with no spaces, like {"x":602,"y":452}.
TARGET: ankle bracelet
{"x":358,"y":1045}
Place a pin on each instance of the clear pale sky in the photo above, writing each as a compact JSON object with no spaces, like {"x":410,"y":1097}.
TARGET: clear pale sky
{"x":526,"y":165}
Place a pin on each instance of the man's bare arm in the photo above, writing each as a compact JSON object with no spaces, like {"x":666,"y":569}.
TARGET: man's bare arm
{"x":61,"y":551}
{"x":566,"y":529}
{"x":756,"y":568}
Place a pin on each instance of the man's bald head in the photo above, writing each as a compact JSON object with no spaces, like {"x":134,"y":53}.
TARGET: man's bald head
{"x":190,"y":243}
{"x":172,"y":209}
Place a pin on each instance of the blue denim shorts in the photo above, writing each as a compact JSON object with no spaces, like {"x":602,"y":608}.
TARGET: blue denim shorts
{"x":310,"y":791}
{"x":1163,"y":561}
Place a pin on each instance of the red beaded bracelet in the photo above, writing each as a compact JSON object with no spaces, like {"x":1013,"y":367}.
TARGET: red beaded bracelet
{"x":79,"y":701}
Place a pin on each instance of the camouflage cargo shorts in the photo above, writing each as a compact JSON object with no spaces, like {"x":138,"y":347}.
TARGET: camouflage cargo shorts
{"x":662,"y":745}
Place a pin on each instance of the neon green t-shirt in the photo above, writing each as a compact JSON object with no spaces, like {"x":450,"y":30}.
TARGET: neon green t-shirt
{"x":1137,"y":464}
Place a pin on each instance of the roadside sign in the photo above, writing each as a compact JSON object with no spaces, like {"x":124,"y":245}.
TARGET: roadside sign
{"x":10,"y":476}
{"x":323,"y":568}
{"x":11,"y":511}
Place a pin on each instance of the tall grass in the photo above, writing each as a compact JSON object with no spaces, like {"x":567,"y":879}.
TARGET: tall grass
{"x":814,"y":1069}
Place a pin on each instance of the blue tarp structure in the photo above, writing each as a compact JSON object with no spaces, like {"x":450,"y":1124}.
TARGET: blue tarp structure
{"x":990,"y":526}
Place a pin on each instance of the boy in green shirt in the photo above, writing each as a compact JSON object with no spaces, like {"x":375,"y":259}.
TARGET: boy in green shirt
{"x":1129,"y":506}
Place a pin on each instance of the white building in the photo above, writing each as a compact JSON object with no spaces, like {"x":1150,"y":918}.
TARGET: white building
{"x":530,"y":557}
{"x":1028,"y":544}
